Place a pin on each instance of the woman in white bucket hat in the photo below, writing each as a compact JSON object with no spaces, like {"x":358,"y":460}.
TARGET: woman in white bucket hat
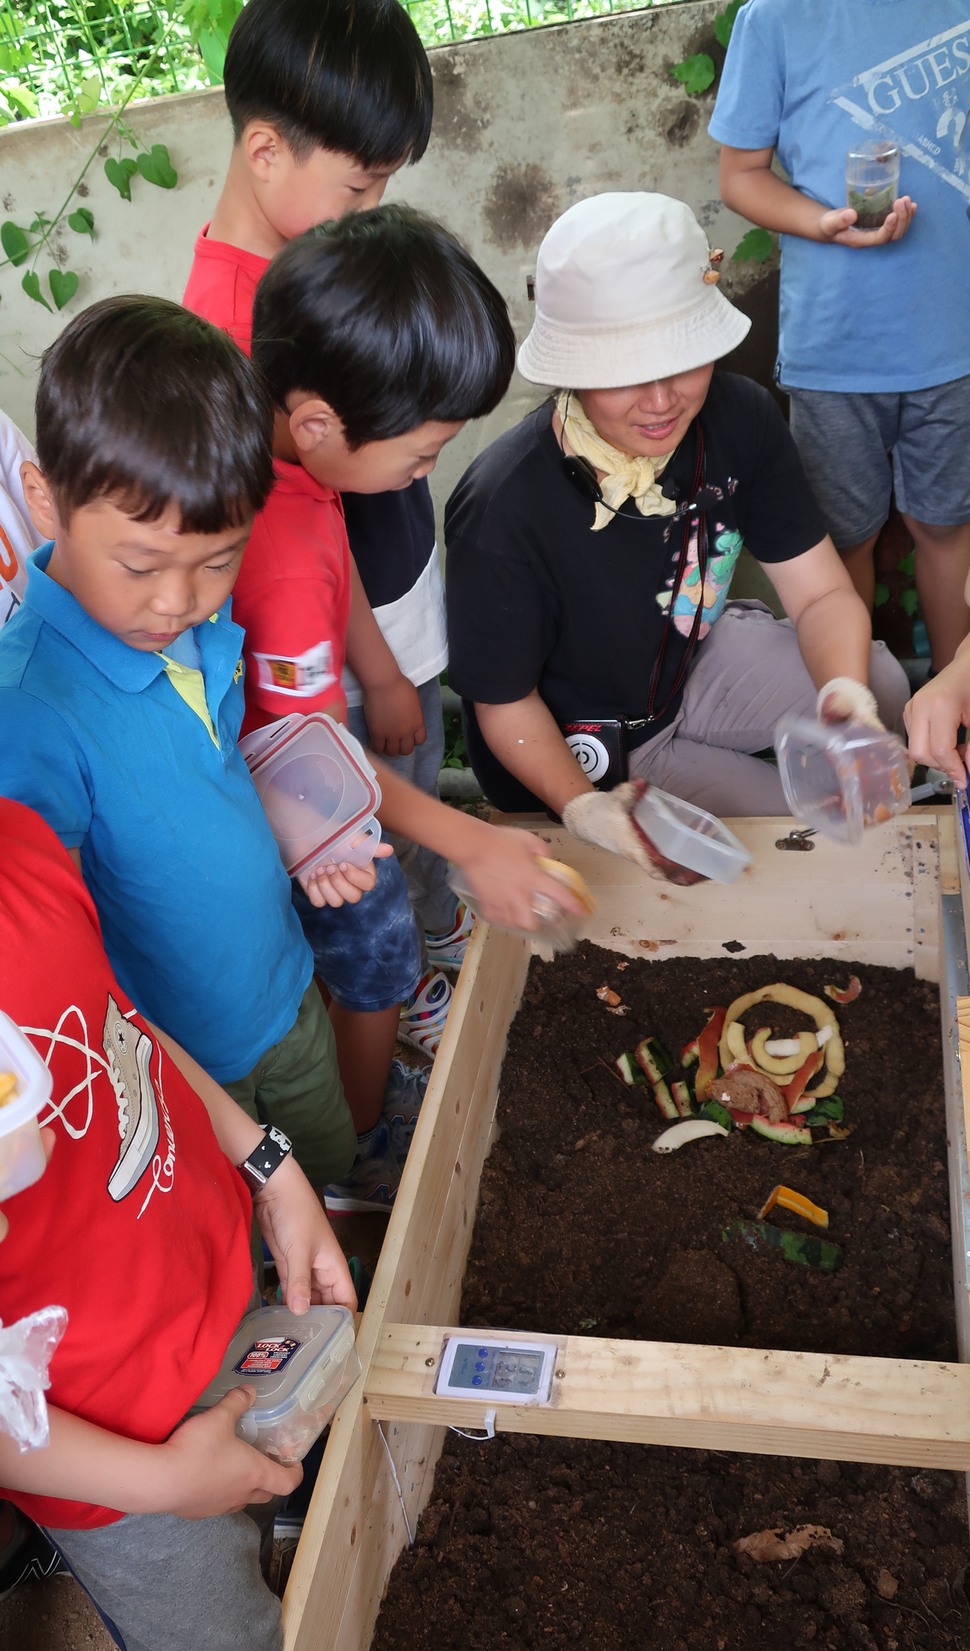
{"x":591,"y":547}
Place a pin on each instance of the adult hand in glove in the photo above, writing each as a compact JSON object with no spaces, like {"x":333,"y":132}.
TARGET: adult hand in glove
{"x":606,"y":819}
{"x":845,"y":700}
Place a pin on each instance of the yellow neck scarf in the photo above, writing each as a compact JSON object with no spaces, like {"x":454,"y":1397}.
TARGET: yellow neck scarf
{"x":625,"y":475}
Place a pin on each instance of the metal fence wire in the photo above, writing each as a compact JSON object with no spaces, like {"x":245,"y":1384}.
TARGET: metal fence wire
{"x":69,"y":56}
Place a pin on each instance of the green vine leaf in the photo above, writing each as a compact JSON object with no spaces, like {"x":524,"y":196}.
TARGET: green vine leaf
{"x":82,"y":220}
{"x":120,"y":174}
{"x":724,"y":22}
{"x":63,"y":285}
{"x":881,"y":596}
{"x":14,"y":242}
{"x":31,"y":286}
{"x":756,"y":247}
{"x":909,"y":602}
{"x":907,"y":563}
{"x":155,"y":167}
{"x":695,"y":73}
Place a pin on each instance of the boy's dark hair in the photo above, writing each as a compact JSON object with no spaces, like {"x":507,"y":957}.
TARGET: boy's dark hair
{"x":386,"y":317}
{"x":144,"y":404}
{"x":346,"y":75}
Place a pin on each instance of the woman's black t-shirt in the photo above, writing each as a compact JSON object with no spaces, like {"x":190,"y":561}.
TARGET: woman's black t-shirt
{"x":537,"y":600}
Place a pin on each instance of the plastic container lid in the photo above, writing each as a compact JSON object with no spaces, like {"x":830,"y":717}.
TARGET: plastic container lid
{"x":22,"y":1158}
{"x":318,"y":789}
{"x":690,"y":837}
{"x":300,"y":1366}
{"x":843,"y":777}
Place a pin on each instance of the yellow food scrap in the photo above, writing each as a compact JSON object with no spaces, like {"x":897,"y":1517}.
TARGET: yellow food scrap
{"x":8,"y":1087}
{"x":789,"y":1199}
{"x":608,"y":996}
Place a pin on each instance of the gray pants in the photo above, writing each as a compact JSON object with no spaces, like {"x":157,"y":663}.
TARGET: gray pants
{"x":167,"y":1584}
{"x":748,"y":674}
{"x":431,"y":898}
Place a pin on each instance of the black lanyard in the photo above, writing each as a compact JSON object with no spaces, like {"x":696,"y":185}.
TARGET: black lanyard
{"x":691,"y":512}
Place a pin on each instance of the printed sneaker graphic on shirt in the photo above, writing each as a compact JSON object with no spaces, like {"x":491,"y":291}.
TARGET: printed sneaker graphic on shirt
{"x":721,"y":563}
{"x":129,"y":1053}
{"x":920,"y":98}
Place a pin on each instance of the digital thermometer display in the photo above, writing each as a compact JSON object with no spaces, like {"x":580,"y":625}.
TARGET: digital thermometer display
{"x":516,"y":1372}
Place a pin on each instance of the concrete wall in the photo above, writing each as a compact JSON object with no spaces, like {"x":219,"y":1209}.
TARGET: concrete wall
{"x":525,"y":124}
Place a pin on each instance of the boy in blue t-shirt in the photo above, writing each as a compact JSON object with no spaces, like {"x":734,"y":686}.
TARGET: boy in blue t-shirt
{"x":874,"y":352}
{"x":121,"y":697}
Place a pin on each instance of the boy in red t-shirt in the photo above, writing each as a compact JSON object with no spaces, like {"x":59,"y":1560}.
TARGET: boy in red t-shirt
{"x":146,"y":1508}
{"x":378,"y":336}
{"x":327,"y":101}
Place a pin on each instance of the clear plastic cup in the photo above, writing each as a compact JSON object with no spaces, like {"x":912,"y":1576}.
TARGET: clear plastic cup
{"x":22,"y":1157}
{"x":319,"y":791}
{"x":693,"y":841}
{"x":841,"y":778}
{"x":872,"y":181}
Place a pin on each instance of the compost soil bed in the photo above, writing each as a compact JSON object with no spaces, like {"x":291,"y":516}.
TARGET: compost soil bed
{"x":583,"y":1229}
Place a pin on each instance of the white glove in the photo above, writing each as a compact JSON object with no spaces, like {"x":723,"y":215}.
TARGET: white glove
{"x":605,"y":818}
{"x":845,"y":700}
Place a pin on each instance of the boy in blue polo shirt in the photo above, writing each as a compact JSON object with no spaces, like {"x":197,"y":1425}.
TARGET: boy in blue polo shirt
{"x":121,"y":697}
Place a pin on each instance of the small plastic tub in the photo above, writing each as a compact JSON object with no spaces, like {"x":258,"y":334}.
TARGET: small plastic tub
{"x":318,"y":789}
{"x":842,"y":777}
{"x":27,"y":1083}
{"x":556,"y":929}
{"x":690,"y":838}
{"x":300,"y":1366}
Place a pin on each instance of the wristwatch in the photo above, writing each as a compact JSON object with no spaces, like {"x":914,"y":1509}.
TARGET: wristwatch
{"x":265,"y":1158}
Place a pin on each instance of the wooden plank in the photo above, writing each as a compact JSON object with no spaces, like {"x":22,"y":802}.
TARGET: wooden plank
{"x":912,"y":1413}
{"x":355,"y":1527}
{"x":832,"y":901}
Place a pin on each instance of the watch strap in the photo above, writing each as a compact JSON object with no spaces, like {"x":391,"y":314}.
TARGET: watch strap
{"x":265,"y":1158}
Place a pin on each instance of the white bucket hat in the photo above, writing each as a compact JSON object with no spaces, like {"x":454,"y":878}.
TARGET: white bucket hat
{"x":621,"y":296}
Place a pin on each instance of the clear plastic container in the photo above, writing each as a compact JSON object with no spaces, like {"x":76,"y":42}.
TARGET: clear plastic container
{"x":556,"y":929}
{"x":689,"y":837}
{"x":872,"y":181}
{"x":841,"y":778}
{"x":300,"y":1366}
{"x":319,"y":791}
{"x":22,"y":1157}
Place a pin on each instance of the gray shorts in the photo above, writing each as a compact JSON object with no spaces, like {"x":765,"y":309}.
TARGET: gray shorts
{"x":165,"y":1584}
{"x":747,"y":674}
{"x":856,"y":449}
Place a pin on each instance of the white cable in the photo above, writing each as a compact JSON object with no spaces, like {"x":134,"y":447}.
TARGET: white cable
{"x":407,"y":1522}
{"x":478,"y":1438}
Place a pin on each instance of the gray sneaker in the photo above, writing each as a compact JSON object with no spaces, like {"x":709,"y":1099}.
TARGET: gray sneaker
{"x":374,"y":1177}
{"x":402,"y":1103}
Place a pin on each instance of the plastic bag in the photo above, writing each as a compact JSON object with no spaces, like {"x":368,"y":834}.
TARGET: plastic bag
{"x":26,"y":1349}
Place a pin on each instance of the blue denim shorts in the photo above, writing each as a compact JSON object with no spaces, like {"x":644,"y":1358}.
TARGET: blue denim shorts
{"x":858,"y":448}
{"x":367,"y":955}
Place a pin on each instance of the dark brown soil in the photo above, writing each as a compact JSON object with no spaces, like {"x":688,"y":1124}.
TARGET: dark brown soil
{"x":583,"y":1229}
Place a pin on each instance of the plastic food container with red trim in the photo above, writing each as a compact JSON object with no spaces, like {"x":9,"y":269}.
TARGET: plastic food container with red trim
{"x":841,"y":778}
{"x":319,"y":791}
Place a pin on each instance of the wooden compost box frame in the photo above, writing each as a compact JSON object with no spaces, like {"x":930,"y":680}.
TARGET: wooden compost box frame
{"x":898,"y":899}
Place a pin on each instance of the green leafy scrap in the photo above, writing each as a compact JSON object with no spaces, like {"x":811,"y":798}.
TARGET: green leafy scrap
{"x":803,"y":1248}
{"x":756,"y":247}
{"x":695,"y":73}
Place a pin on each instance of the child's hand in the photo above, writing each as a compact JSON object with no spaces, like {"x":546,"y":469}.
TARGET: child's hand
{"x":343,"y":884}
{"x":311,"y":1265}
{"x":839,"y":225}
{"x":212,"y":1472}
{"x":504,"y":880}
{"x":393,"y":716}
{"x":934,"y":715}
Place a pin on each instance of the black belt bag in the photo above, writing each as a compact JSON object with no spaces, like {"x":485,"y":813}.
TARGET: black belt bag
{"x":601,"y":746}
